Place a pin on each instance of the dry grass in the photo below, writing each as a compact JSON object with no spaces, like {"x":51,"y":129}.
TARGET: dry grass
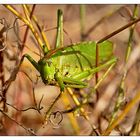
{"x":20,"y":90}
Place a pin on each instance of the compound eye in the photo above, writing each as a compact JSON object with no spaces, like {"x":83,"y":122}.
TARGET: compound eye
{"x":49,"y":62}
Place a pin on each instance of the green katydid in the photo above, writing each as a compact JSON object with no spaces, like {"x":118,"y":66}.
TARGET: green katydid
{"x":69,"y":66}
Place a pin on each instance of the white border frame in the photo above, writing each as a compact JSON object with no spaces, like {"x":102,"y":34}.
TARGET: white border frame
{"x":70,"y":2}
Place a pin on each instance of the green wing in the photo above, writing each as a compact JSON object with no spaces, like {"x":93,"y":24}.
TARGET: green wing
{"x":82,"y":56}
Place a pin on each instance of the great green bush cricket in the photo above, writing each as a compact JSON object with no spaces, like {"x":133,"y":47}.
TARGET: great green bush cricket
{"x":71,"y":73}
{"x":69,"y":66}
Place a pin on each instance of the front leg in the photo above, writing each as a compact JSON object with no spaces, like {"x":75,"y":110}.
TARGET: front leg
{"x":59,"y":79}
{"x":68,"y":82}
{"x":73,"y":82}
{"x":32,"y":61}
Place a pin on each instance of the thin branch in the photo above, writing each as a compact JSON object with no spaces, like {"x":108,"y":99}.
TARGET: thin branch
{"x":26,"y":129}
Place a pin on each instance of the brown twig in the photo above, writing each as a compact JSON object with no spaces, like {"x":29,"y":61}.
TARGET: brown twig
{"x":27,"y":28}
{"x":2,"y":76}
{"x":28,"y":130}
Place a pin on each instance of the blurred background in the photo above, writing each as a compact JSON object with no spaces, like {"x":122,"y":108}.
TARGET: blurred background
{"x":98,"y":22}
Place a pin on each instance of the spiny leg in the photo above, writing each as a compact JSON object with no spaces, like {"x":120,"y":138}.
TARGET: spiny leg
{"x":59,"y":79}
{"x":31,"y":60}
{"x":61,"y":85}
{"x":59,"y":43}
{"x":59,"y":36}
{"x":87,"y":73}
{"x":73,"y":83}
